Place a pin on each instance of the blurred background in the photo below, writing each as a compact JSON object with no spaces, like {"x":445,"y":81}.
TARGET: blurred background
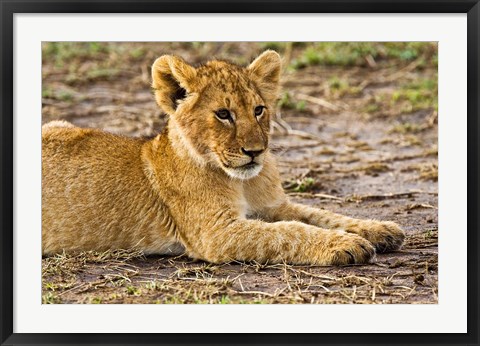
{"x":106,"y":84}
{"x":355,"y":132}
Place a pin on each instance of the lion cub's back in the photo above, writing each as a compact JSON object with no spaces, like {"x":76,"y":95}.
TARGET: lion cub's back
{"x":71,"y":150}
{"x":93,"y":190}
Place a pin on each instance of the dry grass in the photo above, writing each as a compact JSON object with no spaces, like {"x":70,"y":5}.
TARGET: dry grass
{"x":128,"y":277}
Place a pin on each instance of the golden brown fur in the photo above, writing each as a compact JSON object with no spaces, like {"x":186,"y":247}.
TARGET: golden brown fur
{"x":207,"y":185}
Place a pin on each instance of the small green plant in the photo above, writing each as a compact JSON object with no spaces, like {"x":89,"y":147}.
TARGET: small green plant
{"x":133,"y":291}
{"x":428,"y":234}
{"x":415,"y":96}
{"x":304,"y":185}
{"x":102,"y":73}
{"x":65,"y":95}
{"x":47,"y":93}
{"x":341,"y":87}
{"x":96,"y":300}
{"x":50,"y":286}
{"x":300,"y":105}
{"x":224,"y":300}
{"x":61,"y":95}
{"x":371,"y":108}
{"x":336,"y":83}
{"x":287,"y":102}
{"x":50,"y":298}
{"x":137,"y":52}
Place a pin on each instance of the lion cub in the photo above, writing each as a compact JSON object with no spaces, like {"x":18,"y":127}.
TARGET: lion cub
{"x":206,"y":186}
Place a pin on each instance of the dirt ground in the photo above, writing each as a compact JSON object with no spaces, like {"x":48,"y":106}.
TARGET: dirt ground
{"x":356,"y":133}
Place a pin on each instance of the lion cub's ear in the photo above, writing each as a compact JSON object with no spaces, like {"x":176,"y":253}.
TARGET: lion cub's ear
{"x":172,"y":79}
{"x":265,"y":72}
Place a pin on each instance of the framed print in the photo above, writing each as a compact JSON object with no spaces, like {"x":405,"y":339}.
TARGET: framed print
{"x":290,"y":172}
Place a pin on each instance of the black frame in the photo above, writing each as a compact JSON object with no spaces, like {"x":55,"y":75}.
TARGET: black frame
{"x":9,"y":7}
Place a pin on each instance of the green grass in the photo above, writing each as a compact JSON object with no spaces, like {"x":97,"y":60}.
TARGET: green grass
{"x":87,"y":61}
{"x":407,"y":97}
{"x":371,"y":108}
{"x":50,"y":298}
{"x":418,"y":95}
{"x":301,"y":185}
{"x":61,"y":95}
{"x":137,"y":52}
{"x":133,"y":290}
{"x":355,"y":53}
{"x":96,"y":300}
{"x":341,"y":87}
{"x":288,"y":102}
{"x":316,"y":53}
{"x":429,"y":234}
{"x":50,"y":286}
{"x":64,"y":52}
{"x":102,"y":73}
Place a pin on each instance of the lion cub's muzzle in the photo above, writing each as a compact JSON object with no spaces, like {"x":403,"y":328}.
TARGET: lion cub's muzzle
{"x":253,"y":153}
{"x":244,"y":166}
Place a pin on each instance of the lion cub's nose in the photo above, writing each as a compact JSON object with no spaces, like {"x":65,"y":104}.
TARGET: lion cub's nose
{"x":252,"y":153}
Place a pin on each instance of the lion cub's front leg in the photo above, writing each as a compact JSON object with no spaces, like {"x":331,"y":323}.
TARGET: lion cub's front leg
{"x":384,"y":235}
{"x":267,"y":198}
{"x":285,"y":241}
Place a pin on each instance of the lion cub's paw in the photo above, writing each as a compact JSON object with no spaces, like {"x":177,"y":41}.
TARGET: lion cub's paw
{"x":384,"y":235}
{"x":350,"y":249}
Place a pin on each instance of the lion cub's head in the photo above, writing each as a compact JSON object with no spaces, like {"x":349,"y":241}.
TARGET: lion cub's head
{"x":220,"y":111}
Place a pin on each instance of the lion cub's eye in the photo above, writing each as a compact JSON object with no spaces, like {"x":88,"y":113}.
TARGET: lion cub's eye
{"x":223,"y":114}
{"x":259,"y":110}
